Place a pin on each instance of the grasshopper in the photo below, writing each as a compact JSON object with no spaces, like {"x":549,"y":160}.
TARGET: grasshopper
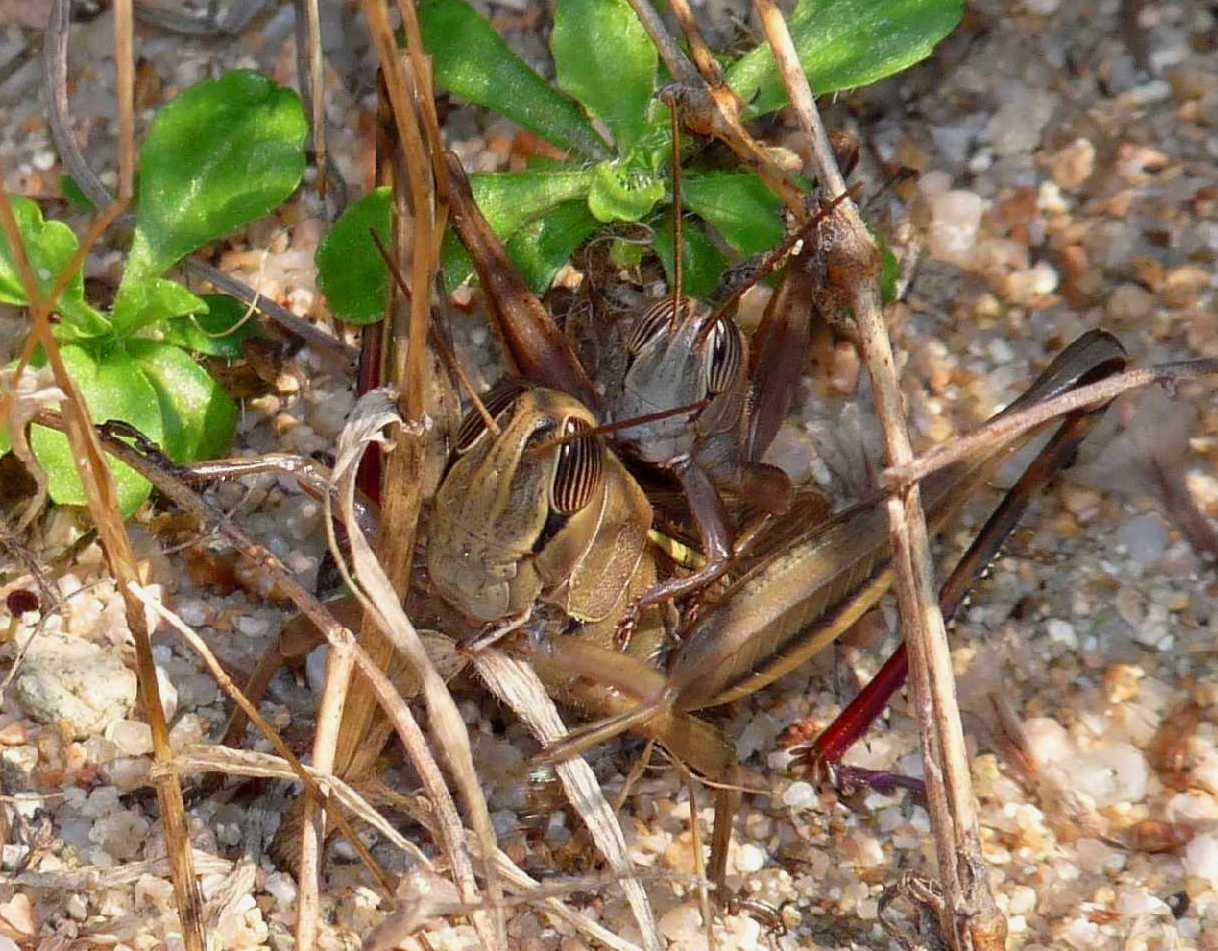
{"x":682,"y":360}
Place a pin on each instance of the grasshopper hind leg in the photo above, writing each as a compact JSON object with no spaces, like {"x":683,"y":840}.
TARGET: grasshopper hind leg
{"x":604,"y":682}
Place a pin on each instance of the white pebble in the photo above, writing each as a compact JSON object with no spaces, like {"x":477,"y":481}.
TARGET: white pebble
{"x":1144,"y":538}
{"x":131,"y":737}
{"x":750,"y":858}
{"x":1136,"y":900}
{"x":1201,"y":858}
{"x":1000,"y":351}
{"x":1116,"y":772}
{"x":1048,"y":740}
{"x":681,"y":923}
{"x":1021,"y":900}
{"x":1062,"y":632}
{"x":799,"y":795}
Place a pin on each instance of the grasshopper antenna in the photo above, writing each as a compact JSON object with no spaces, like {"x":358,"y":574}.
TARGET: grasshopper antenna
{"x":441,"y":345}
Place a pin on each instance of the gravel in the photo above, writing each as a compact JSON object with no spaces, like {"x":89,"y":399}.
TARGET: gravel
{"x":1067,"y":181}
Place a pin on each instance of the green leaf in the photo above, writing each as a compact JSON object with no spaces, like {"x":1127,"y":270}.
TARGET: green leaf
{"x":73,"y":193}
{"x":151,"y":301}
{"x":223,"y":153}
{"x":739,"y":206}
{"x":605,"y":59}
{"x":113,"y":388}
{"x":846,"y":43}
{"x":890,"y":272}
{"x":472,"y":60}
{"x":509,"y":199}
{"x":350,"y":271}
{"x":542,"y":247}
{"x":197,"y":417}
{"x":217,"y":333}
{"x":621,"y":194}
{"x":702,"y":263}
{"x":455,"y":262}
{"x":49,"y":245}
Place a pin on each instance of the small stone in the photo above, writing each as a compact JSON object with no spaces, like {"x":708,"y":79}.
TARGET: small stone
{"x":1073,"y":165}
{"x":1115,"y":772}
{"x":1144,"y":538}
{"x":955,"y":218}
{"x":17,"y":765}
{"x":1021,"y":900}
{"x":1062,"y":632}
{"x":69,"y":679}
{"x":750,"y":858}
{"x":14,"y":734}
{"x":168,"y":692}
{"x":1201,"y":858}
{"x":1130,"y":303}
{"x":1122,"y":682}
{"x":19,"y":913}
{"x":132,"y":737}
{"x":315,"y":668}
{"x":799,"y":795}
{"x":681,"y":924}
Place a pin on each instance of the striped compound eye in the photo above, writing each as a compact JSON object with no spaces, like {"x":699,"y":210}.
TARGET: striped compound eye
{"x":498,"y":401}
{"x":653,"y":321}
{"x":727,"y":354}
{"x":580,"y":468}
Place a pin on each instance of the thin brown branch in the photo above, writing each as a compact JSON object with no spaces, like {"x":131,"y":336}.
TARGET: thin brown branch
{"x":1001,"y":431}
{"x":970,"y":917}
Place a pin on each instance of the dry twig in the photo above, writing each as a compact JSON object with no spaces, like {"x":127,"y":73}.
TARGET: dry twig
{"x":970,"y":917}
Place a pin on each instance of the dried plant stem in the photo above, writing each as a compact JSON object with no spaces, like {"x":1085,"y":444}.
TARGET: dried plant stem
{"x":313,"y":828}
{"x":311,"y":22}
{"x":969,"y":916}
{"x":1008,"y":427}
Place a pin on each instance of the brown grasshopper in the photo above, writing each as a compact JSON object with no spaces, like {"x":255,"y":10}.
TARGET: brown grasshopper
{"x":691,"y":401}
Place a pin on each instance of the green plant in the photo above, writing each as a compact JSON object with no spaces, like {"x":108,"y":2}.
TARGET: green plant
{"x":608,"y":72}
{"x":220,"y":155}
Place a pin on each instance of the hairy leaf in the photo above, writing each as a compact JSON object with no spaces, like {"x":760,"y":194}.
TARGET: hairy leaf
{"x":702,"y":263}
{"x":472,"y":60}
{"x":623,"y":194}
{"x":223,"y":153}
{"x":197,"y":417}
{"x":846,"y":43}
{"x":544,"y":245}
{"x":113,"y":388}
{"x":738,"y":205}
{"x":49,"y":245}
{"x":606,"y":60}
{"x":350,"y":271}
{"x":217,"y":333}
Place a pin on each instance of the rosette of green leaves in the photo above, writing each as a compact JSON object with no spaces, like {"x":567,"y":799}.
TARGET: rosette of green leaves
{"x":220,"y":155}
{"x":602,"y":113}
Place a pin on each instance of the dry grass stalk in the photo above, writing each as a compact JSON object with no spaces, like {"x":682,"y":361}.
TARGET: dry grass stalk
{"x":383,"y":605}
{"x":1005,"y":429}
{"x":968,"y":916}
{"x":516,"y":684}
{"x":313,"y":829}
